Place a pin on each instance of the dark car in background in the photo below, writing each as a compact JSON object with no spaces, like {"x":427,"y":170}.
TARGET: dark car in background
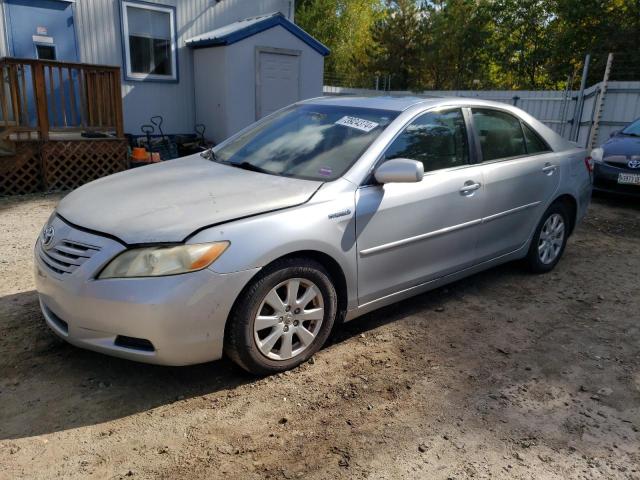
{"x":617,"y":162}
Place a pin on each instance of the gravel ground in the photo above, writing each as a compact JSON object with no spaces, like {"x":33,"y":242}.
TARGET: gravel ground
{"x":501,"y":375}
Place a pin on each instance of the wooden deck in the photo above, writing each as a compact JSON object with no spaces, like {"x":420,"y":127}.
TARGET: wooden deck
{"x":42,"y":96}
{"x":60,"y":124}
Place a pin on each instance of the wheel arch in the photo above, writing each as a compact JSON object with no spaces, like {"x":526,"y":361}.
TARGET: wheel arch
{"x":571,"y":204}
{"x":332,"y":266}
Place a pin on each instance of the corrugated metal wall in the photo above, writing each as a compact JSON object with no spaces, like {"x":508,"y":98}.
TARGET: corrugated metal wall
{"x":554,"y":108}
{"x":621,"y":106}
{"x":100,"y":41}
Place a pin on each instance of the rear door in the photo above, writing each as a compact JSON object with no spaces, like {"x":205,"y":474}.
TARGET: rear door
{"x":278,"y":80}
{"x":521,"y":175}
{"x":410,"y":233}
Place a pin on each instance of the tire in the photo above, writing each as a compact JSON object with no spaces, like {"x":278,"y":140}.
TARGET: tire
{"x":259,"y":328}
{"x":549,"y":237}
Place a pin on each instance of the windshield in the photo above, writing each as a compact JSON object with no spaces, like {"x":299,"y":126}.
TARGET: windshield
{"x":633,"y":129}
{"x":317,"y":142}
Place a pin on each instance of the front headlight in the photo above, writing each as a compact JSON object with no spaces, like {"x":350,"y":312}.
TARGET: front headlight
{"x":597,"y":154}
{"x":158,"y":261}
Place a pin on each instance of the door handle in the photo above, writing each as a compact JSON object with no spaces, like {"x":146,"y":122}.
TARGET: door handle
{"x":549,"y":168}
{"x":469,"y":187}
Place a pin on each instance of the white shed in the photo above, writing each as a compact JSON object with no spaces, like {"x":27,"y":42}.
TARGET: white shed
{"x":248,"y":69}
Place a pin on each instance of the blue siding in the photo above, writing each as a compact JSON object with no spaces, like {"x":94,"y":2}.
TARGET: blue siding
{"x":100,"y":42}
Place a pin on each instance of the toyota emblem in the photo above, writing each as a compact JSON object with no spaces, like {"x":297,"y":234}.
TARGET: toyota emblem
{"x":47,"y":236}
{"x":635,"y":163}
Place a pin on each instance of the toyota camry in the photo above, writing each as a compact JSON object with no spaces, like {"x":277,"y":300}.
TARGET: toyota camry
{"x":313,"y":216}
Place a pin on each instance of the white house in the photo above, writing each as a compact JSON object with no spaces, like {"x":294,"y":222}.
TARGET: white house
{"x":190,"y":61}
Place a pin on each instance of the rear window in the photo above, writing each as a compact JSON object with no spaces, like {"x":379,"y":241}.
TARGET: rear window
{"x":534,"y":143}
{"x":500,"y":134}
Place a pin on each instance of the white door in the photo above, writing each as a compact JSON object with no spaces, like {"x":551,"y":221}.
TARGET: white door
{"x":278,"y":81}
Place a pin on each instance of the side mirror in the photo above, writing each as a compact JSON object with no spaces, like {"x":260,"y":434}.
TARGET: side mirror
{"x":613,"y":134}
{"x":399,"y":170}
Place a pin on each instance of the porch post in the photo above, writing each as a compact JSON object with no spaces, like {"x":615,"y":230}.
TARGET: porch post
{"x":41,"y":101}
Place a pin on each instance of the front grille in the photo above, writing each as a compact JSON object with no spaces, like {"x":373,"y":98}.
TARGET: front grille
{"x":65,"y":255}
{"x":622,"y":161}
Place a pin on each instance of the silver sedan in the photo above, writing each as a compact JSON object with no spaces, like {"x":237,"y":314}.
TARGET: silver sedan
{"x":313,"y":216}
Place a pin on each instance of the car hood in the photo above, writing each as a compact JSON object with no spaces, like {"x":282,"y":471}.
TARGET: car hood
{"x":166,"y":202}
{"x":622,"y":145}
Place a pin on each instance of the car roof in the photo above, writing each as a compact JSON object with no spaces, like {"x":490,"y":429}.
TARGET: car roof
{"x":400,"y":103}
{"x":393,"y":103}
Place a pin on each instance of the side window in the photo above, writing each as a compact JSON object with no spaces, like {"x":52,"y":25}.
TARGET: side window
{"x":149,"y":39}
{"x":534,"y":143}
{"x":500,"y":134}
{"x":437,"y":139}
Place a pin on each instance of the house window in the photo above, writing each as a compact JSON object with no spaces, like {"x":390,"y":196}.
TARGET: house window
{"x":149,"y":41}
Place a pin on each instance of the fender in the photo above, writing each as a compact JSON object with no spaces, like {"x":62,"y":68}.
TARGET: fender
{"x":258,"y":241}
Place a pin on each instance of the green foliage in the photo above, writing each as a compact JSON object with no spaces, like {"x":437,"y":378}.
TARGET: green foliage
{"x":461,"y":44}
{"x":345,"y":27}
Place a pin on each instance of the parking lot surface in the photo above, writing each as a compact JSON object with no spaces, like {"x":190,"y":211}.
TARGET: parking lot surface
{"x":501,"y":375}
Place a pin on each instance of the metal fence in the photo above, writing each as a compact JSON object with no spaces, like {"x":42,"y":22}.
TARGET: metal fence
{"x":557,"y":109}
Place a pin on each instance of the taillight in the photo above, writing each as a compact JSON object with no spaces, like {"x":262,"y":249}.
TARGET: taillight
{"x":588,"y":162}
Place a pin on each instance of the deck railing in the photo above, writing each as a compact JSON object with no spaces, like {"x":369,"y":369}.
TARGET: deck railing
{"x":43,"y":96}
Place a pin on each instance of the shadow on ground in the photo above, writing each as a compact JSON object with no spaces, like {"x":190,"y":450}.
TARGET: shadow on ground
{"x":48,"y":386}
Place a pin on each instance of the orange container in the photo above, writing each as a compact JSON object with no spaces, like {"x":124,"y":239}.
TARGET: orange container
{"x":140,"y":154}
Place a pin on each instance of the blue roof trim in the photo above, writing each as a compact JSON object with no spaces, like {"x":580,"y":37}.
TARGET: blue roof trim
{"x":258,"y":27}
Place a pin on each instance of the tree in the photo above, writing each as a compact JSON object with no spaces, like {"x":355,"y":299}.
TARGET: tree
{"x":462,"y":44}
{"x":345,"y":27}
{"x":398,"y":40}
{"x":596,"y":27}
{"x":457,"y":55}
{"x":521,"y":44}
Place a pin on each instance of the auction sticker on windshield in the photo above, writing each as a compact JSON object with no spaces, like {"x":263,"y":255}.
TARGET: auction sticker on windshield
{"x":357,"y":123}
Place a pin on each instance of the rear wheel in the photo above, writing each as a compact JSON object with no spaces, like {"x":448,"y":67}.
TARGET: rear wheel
{"x":549,"y":240}
{"x":282,"y":318}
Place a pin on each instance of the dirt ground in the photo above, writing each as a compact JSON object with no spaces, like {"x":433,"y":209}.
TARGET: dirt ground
{"x":501,"y":375}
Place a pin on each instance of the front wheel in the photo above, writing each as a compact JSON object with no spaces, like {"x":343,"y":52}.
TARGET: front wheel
{"x":282,"y":318}
{"x":549,"y":240}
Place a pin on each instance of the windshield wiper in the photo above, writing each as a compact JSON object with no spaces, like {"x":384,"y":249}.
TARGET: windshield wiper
{"x":209,"y":154}
{"x":249,"y":166}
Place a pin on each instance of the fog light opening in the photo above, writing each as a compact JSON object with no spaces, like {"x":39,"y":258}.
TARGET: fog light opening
{"x":134,"y":343}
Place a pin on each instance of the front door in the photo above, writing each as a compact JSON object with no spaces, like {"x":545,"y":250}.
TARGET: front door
{"x":521,"y":175}
{"x":41,"y":29}
{"x":410,"y":233}
{"x":44,"y":29}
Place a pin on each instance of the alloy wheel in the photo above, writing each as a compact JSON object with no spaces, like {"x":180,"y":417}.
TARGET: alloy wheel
{"x":289,"y":318}
{"x":551,"y":239}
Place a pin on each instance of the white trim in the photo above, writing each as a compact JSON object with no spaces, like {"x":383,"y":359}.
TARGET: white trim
{"x":42,"y":39}
{"x":129,"y":75}
{"x":7,"y":45}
